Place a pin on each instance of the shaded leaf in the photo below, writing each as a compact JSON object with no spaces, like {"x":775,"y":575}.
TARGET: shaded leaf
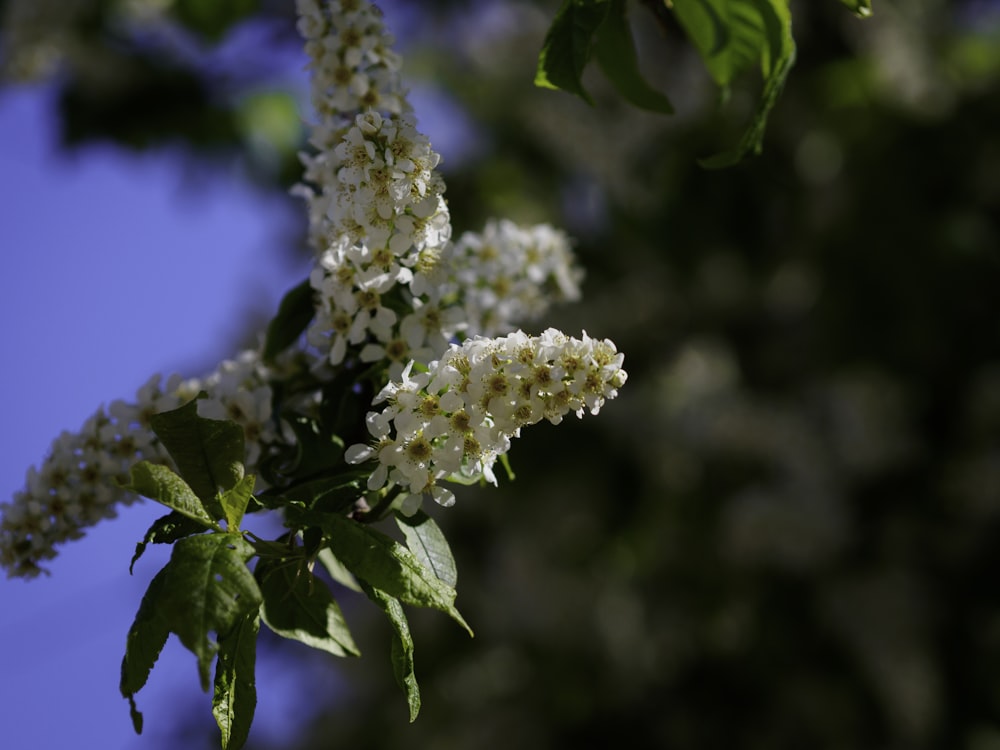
{"x":166,"y":530}
{"x":160,"y":483}
{"x":299,"y":606}
{"x":209,"y":453}
{"x":328,"y":494}
{"x":615,"y":52}
{"x":234,"y":696}
{"x":777,"y":60}
{"x":387,"y":565}
{"x":143,"y":644}
{"x":337,"y":571}
{"x":316,"y":449}
{"x":204,"y":588}
{"x":567,"y":46}
{"x":733,"y":36}
{"x":426,"y":541}
{"x":402,"y":647}
{"x":293,"y":316}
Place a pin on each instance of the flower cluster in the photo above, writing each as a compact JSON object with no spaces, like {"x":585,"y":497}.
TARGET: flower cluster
{"x":390,"y":289}
{"x":354,"y":68}
{"x":389,"y":283}
{"x":356,"y":85}
{"x":458,"y":417}
{"x":387,"y":193}
{"x":79,"y":483}
{"x":508,"y":275}
{"x":411,"y":308}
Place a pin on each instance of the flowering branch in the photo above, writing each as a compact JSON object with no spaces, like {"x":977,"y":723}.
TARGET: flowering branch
{"x":393,"y":313}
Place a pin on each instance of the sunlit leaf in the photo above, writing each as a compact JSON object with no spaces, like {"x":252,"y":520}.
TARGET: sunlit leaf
{"x":733,"y":36}
{"x":160,"y":483}
{"x":234,"y":501}
{"x":426,"y":541}
{"x":387,"y":565}
{"x":728,"y":34}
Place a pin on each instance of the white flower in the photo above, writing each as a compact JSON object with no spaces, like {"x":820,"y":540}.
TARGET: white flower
{"x":458,"y":418}
{"x":509,"y":274}
{"x":79,"y":482}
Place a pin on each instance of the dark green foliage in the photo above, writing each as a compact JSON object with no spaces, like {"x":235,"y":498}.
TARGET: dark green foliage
{"x":208,"y":452}
{"x":299,"y":606}
{"x":294,"y":314}
{"x":234,"y":697}
{"x":166,"y":530}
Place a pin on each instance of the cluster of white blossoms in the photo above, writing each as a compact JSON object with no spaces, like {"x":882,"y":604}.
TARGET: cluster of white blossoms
{"x":79,"y":483}
{"x":458,"y":417}
{"x":390,"y":289}
{"x":369,"y":163}
{"x":389,"y":283}
{"x":508,"y":275}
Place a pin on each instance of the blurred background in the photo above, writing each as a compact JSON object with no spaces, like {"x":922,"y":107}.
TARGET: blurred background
{"x":784,"y":533}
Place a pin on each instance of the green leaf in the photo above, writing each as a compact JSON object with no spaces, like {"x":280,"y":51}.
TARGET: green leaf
{"x":210,"y":590}
{"x":727,"y":33}
{"x":402,"y":647}
{"x":143,"y":644}
{"x":777,"y":60}
{"x":209,"y":453}
{"x":337,"y":571}
{"x":615,"y":52}
{"x":299,"y":606}
{"x":567,"y":46}
{"x":387,"y":565}
{"x":204,"y":588}
{"x":861,"y":8}
{"x":166,"y":530}
{"x":294,"y":313}
{"x":328,"y":494}
{"x":732,"y":36}
{"x":426,"y":541}
{"x":234,"y":501}
{"x":160,"y":483}
{"x":234,"y":697}
{"x":316,"y":449}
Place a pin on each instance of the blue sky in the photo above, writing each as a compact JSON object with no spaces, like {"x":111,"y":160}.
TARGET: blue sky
{"x":114,"y":266}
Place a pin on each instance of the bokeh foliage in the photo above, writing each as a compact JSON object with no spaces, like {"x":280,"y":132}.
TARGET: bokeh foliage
{"x":785,"y":531}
